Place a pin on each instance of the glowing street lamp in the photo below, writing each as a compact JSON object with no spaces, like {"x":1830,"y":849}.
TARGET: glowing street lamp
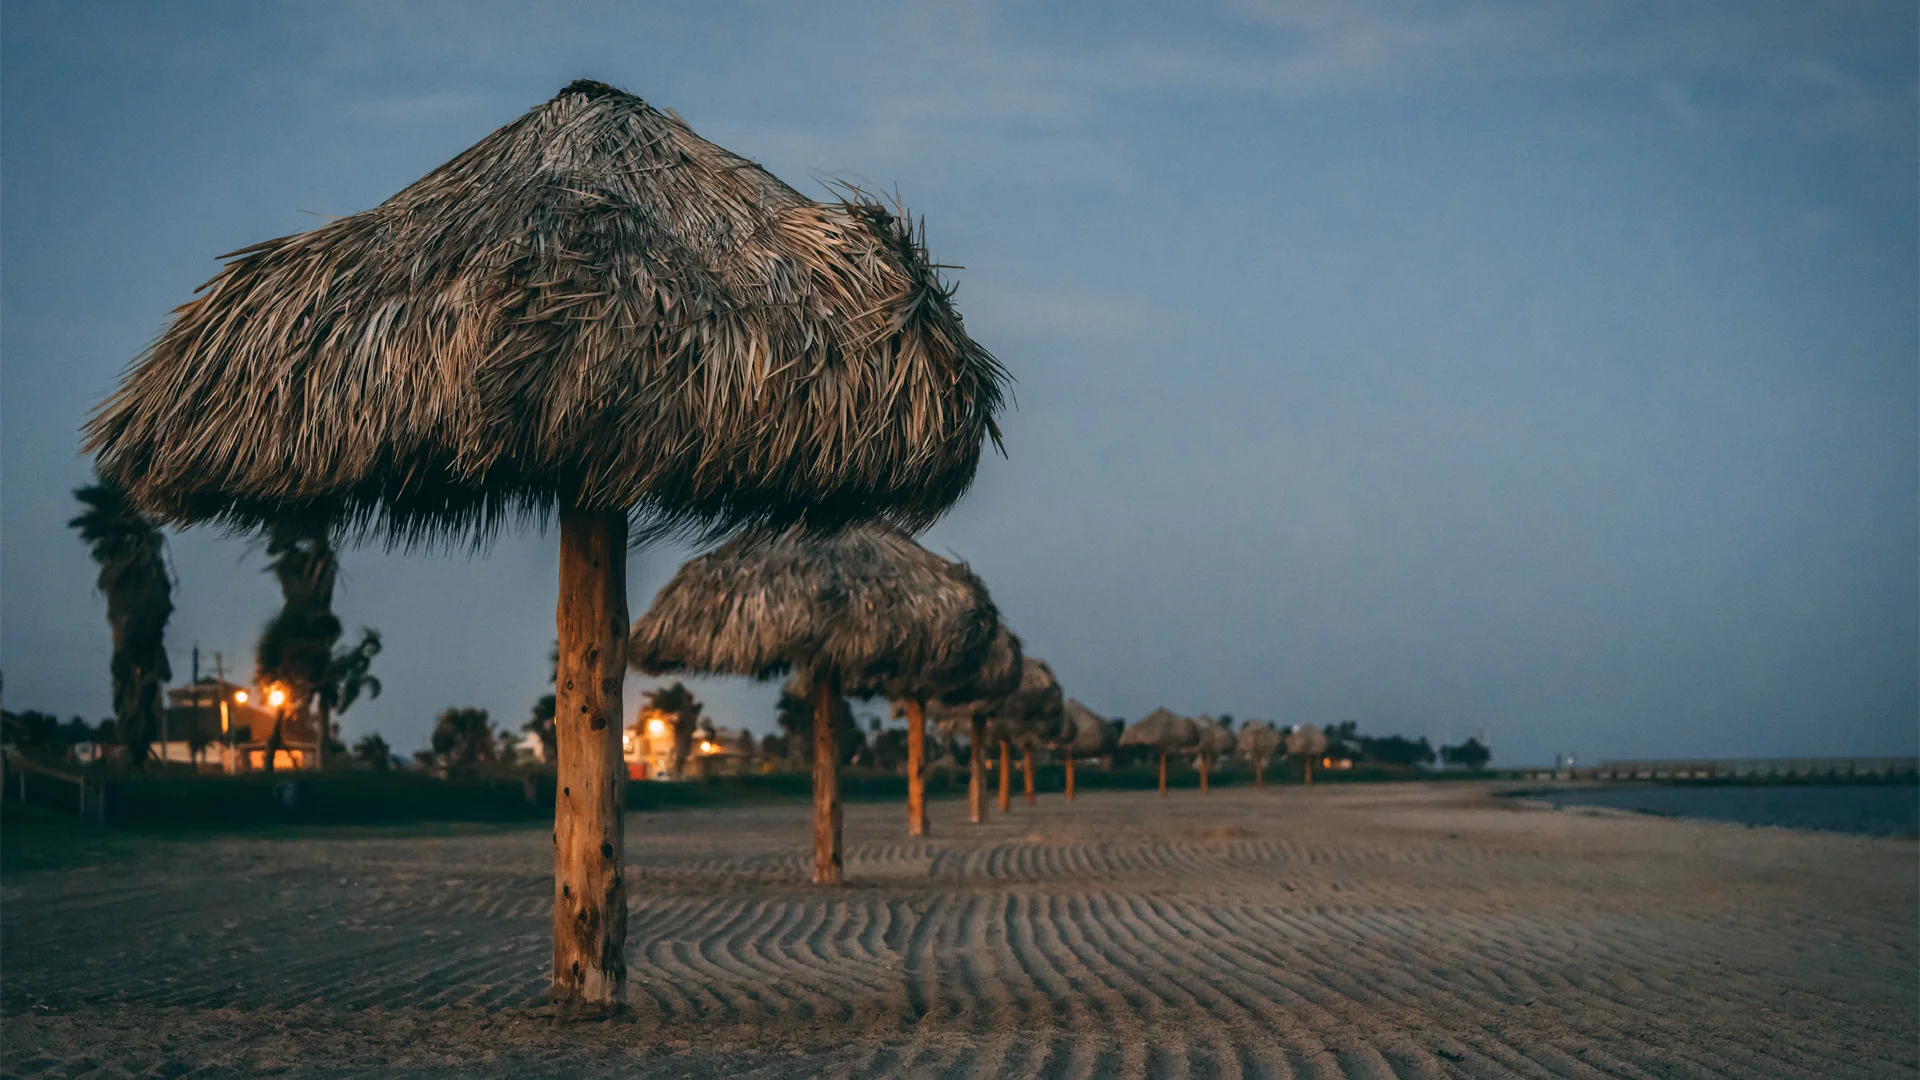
{"x":656,"y":726}
{"x":276,"y":697}
{"x":240,"y":696}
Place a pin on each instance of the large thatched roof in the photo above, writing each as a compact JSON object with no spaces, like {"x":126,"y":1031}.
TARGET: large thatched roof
{"x":1258,"y":740}
{"x":591,"y":305}
{"x":866,"y":604}
{"x":1161,"y":729}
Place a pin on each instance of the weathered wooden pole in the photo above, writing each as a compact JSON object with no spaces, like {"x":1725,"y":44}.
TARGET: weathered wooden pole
{"x":589,"y":835}
{"x":977,"y":773}
{"x":1259,"y":772}
{"x":826,"y":780}
{"x":1163,"y":773}
{"x":1202,"y":758}
{"x":1006,"y":777}
{"x":1306,"y":768}
{"x":1069,"y":776}
{"x":1026,"y":772}
{"x":916,"y":768}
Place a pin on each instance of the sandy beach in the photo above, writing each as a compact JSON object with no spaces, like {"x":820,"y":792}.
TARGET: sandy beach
{"x":1411,"y":931}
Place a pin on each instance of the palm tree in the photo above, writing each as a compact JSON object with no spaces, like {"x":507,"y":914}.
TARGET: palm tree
{"x":296,"y":648}
{"x":133,"y":576}
{"x":463,"y":738}
{"x":374,"y":751}
{"x":348,"y":675}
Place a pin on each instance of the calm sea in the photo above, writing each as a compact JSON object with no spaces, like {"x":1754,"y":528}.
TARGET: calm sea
{"x":1870,"y":809}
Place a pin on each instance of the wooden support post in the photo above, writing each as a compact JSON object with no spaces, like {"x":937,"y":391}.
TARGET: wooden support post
{"x":1202,"y":759}
{"x":916,"y":768}
{"x":1006,"y":777}
{"x":1163,"y":773}
{"x":1306,"y":769}
{"x":1259,"y":772}
{"x":589,"y":833}
{"x":826,"y":780}
{"x":1026,"y":772}
{"x":977,"y":773}
{"x":1069,"y":776}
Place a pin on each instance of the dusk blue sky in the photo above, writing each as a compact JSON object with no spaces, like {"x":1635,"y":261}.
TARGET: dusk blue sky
{"x":1547,"y":369}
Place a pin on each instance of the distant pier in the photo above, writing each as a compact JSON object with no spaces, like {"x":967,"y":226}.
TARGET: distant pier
{"x":1738,"y":769}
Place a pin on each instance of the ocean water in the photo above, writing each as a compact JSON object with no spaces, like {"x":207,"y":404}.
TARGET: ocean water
{"x":1868,"y":809}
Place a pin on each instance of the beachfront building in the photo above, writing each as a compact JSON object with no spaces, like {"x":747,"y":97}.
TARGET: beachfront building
{"x":648,"y":745}
{"x":223,"y":726}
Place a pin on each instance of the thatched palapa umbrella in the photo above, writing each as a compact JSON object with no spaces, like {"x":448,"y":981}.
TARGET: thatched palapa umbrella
{"x":1306,"y":742}
{"x":1257,"y":743}
{"x":1034,"y":715}
{"x":1164,"y":731}
{"x":853,"y":611}
{"x":967,"y":707}
{"x":911,"y":688}
{"x":1211,"y":740}
{"x":1088,"y":735}
{"x":592,"y":314}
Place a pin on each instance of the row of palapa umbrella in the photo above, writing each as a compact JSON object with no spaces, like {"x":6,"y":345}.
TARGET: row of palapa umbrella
{"x":867,"y":612}
{"x":593,"y":315}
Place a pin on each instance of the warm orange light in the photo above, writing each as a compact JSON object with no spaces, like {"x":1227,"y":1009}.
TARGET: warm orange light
{"x":240,"y":696}
{"x":276,"y":697}
{"x":706,"y":747}
{"x":656,"y":727}
{"x":1326,"y":763}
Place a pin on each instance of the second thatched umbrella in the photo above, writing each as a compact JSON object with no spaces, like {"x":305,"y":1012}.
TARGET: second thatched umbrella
{"x":1163,"y":731}
{"x":851,"y":611}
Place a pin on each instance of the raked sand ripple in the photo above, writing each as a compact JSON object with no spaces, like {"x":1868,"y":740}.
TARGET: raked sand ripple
{"x":1362,"y":931}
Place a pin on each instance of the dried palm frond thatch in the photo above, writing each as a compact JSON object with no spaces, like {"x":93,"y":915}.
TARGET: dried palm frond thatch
{"x":591,"y":306}
{"x":867,"y":606}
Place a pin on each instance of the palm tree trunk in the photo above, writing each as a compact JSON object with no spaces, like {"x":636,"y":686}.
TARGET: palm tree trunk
{"x":589,"y":830}
{"x":326,"y":731}
{"x":977,"y":773}
{"x":1163,"y":774}
{"x":1006,"y":777}
{"x":1069,"y":776}
{"x":916,"y":767}
{"x":1026,"y":772}
{"x":826,"y":780}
